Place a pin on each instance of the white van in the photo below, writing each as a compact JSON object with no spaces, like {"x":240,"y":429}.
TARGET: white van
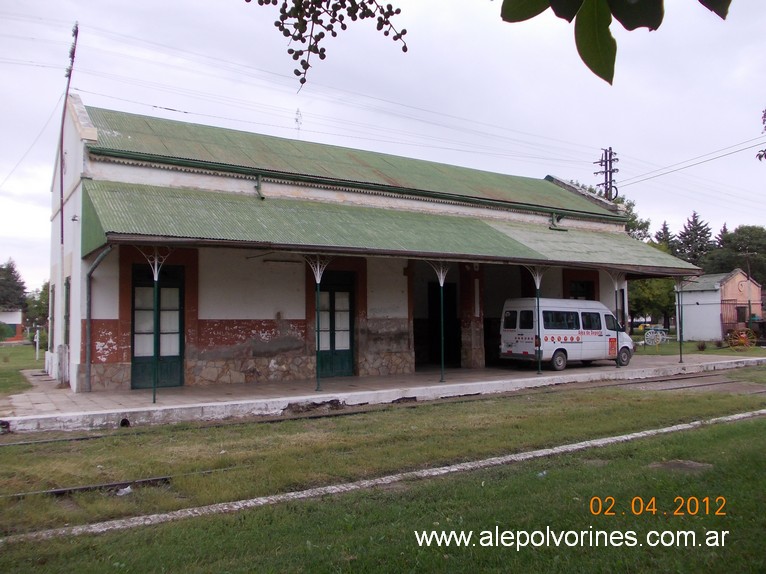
{"x":571,"y":330}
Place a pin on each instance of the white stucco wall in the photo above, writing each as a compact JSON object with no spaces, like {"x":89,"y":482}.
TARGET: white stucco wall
{"x":386,"y":288}
{"x":606,"y":290}
{"x":702,"y":316}
{"x":245,"y":284}
{"x":66,"y":261}
{"x":11,"y":317}
{"x":105,"y":286}
{"x":146,"y":175}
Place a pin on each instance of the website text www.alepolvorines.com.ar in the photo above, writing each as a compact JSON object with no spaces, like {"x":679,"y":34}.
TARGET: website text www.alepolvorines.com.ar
{"x":520,"y":539}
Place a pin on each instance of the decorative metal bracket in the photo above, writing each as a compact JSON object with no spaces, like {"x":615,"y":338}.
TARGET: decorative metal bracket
{"x":537,"y":273}
{"x":617,"y":277}
{"x":318,"y":264}
{"x":156,"y":258}
{"x":555,"y":218}
{"x":441,"y":268}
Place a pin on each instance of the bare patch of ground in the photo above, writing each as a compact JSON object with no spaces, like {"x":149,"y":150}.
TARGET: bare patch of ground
{"x":689,"y":466}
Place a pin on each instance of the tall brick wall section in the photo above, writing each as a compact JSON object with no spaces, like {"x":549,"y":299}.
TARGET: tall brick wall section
{"x":471,"y":317}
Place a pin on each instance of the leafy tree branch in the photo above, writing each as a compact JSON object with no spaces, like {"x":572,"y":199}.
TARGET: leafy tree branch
{"x":592,"y":18}
{"x":308,"y":22}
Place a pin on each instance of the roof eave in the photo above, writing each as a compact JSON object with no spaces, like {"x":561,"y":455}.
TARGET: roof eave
{"x":133,"y":239}
{"x":633,"y":272}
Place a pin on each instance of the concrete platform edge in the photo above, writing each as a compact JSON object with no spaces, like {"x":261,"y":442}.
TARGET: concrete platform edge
{"x":156,"y":415}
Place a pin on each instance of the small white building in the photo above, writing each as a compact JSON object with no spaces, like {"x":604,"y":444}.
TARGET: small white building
{"x":717,"y":303}
{"x":14,"y":318}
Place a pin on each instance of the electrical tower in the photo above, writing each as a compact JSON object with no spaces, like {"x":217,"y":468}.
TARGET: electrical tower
{"x":607,"y":161}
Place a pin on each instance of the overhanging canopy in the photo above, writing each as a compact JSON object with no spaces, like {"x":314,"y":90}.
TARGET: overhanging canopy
{"x":122,"y":213}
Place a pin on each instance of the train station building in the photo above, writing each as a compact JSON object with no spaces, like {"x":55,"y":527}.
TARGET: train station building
{"x":187,"y":255}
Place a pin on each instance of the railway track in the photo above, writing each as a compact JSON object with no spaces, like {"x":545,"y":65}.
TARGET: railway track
{"x":411,"y":402}
{"x":654,"y":384}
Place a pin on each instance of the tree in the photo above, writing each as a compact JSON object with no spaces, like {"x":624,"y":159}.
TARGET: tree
{"x":652,"y":297}
{"x":719,"y":239}
{"x":6,"y":331}
{"x":308,"y":22}
{"x":694,"y":240}
{"x":37,"y":305}
{"x":745,"y":247}
{"x":594,"y":41}
{"x":636,"y":227}
{"x":12,"y":287}
{"x":665,"y":238}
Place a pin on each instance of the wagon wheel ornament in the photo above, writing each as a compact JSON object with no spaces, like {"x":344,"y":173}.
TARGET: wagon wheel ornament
{"x":741,"y":339}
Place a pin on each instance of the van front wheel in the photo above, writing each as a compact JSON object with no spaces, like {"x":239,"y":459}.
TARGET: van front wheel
{"x":559,"y":361}
{"x":623,"y":357}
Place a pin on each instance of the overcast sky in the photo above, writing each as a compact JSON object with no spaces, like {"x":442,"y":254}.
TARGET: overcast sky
{"x":471,"y":91}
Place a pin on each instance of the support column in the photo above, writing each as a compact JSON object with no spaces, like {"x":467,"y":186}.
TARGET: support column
{"x":441,"y":268}
{"x":318,"y":264}
{"x":537,"y":274}
{"x":680,"y":317}
{"x":155,"y":258}
{"x":471,"y":316}
{"x":618,"y":278}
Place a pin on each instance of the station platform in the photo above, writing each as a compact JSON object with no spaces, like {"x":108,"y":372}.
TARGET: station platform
{"x":46,"y":407}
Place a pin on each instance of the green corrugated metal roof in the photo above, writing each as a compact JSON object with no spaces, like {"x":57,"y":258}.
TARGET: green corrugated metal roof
{"x":714,"y":281}
{"x":708,"y":282}
{"x":129,"y":213}
{"x":133,"y":135}
{"x":206,"y":216}
{"x":596,"y":247}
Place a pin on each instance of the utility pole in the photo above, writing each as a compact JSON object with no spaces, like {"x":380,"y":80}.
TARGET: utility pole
{"x":63,"y":291}
{"x":747,"y":253}
{"x":68,"y":74}
{"x":607,"y":161}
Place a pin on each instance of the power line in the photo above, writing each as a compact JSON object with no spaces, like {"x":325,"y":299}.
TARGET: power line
{"x":34,"y":143}
{"x":694,"y":164}
{"x":520,"y":148}
{"x":694,"y":158}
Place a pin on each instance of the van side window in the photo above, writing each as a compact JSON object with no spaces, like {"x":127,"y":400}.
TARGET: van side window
{"x":526,"y":320}
{"x":611,"y":323}
{"x":561,"y":320}
{"x":591,"y":321}
{"x":509,"y":321}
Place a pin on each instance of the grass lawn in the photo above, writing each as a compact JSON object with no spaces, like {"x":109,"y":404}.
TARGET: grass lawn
{"x":692,"y":348}
{"x":15,"y":358}
{"x":374,"y":531}
{"x":256,"y":459}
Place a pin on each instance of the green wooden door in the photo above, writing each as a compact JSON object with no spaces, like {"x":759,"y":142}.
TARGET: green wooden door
{"x":336,"y":326}
{"x":170,"y":360}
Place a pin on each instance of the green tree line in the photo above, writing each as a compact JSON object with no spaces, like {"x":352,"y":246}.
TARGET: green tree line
{"x":743,"y":248}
